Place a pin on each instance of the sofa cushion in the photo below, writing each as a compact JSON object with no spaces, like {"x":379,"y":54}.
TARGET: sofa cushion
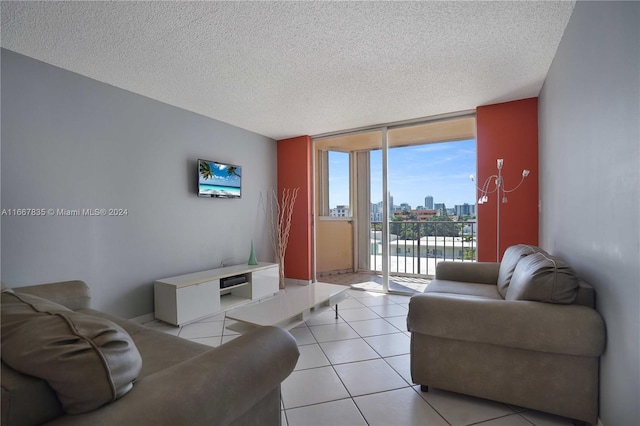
{"x":87,"y":360}
{"x":510,"y":260}
{"x":487,"y":291}
{"x":543,"y":278}
{"x":159,"y":350}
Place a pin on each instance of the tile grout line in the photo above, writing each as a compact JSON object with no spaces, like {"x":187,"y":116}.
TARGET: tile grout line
{"x":332,"y":365}
{"x":432,"y":407}
{"x":500,"y":417}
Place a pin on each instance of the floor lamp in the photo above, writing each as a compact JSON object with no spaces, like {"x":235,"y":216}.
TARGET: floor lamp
{"x":501,"y":196}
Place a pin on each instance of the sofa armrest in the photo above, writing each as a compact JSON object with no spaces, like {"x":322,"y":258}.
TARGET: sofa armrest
{"x":72,"y":294}
{"x":469,"y":272}
{"x":543,"y":327}
{"x":213,"y":388}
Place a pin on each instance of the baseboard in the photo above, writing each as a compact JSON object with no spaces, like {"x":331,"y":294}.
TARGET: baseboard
{"x":143,"y":318}
{"x":294,"y":281}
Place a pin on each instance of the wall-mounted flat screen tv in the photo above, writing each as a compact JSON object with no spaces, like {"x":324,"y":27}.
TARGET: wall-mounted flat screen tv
{"x":219,"y":180}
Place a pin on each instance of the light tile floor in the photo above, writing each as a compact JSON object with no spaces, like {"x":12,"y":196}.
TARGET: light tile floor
{"x":354,"y":370}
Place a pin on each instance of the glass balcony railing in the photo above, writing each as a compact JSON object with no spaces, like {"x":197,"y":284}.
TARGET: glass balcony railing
{"x":415,"y":247}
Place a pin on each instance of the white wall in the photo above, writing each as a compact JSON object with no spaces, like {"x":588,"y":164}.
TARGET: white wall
{"x":590,"y":178}
{"x":72,"y":142}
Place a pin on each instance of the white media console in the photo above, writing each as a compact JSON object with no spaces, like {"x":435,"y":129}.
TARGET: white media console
{"x":186,"y":298}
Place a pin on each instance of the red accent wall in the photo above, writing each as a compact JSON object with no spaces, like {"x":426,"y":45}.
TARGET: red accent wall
{"x":508,"y":131}
{"x":294,"y":170}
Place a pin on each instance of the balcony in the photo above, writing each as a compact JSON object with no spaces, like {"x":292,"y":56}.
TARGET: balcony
{"x":417,"y":246}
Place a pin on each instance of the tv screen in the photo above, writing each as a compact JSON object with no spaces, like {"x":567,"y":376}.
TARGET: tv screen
{"x":219,"y":180}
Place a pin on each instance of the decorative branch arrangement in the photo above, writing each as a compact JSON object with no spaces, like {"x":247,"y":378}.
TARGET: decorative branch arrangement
{"x":281,"y":211}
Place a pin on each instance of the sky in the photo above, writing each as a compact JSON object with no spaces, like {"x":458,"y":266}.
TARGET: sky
{"x":441,"y":170}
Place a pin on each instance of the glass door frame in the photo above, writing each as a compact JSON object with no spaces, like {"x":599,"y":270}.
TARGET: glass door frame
{"x":386,"y":258}
{"x":384,"y":146}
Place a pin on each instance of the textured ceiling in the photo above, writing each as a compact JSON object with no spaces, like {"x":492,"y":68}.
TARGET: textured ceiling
{"x":284,"y":69}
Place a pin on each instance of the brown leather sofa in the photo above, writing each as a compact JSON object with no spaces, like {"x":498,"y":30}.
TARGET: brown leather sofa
{"x":64,"y":363}
{"x":522,"y":332}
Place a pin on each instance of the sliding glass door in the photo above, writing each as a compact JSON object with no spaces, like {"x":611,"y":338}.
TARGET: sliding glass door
{"x":399,"y":185}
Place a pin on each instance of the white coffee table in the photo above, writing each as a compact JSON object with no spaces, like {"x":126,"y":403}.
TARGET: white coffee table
{"x":292,"y":306}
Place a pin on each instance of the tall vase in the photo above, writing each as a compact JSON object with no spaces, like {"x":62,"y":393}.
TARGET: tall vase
{"x":281,"y":272}
{"x":252,"y":256}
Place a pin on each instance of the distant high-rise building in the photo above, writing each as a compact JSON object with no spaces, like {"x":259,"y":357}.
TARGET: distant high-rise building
{"x":463,"y":210}
{"x":428,"y":202}
{"x":405,"y":207}
{"x":376,"y":212}
{"x":340,"y":211}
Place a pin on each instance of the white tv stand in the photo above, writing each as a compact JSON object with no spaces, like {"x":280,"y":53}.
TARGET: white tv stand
{"x":186,"y":298}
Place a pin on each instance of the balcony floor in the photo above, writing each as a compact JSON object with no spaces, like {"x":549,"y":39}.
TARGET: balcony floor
{"x":373,"y":282}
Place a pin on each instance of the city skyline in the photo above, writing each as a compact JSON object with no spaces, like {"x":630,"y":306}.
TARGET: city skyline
{"x":440,"y":170}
